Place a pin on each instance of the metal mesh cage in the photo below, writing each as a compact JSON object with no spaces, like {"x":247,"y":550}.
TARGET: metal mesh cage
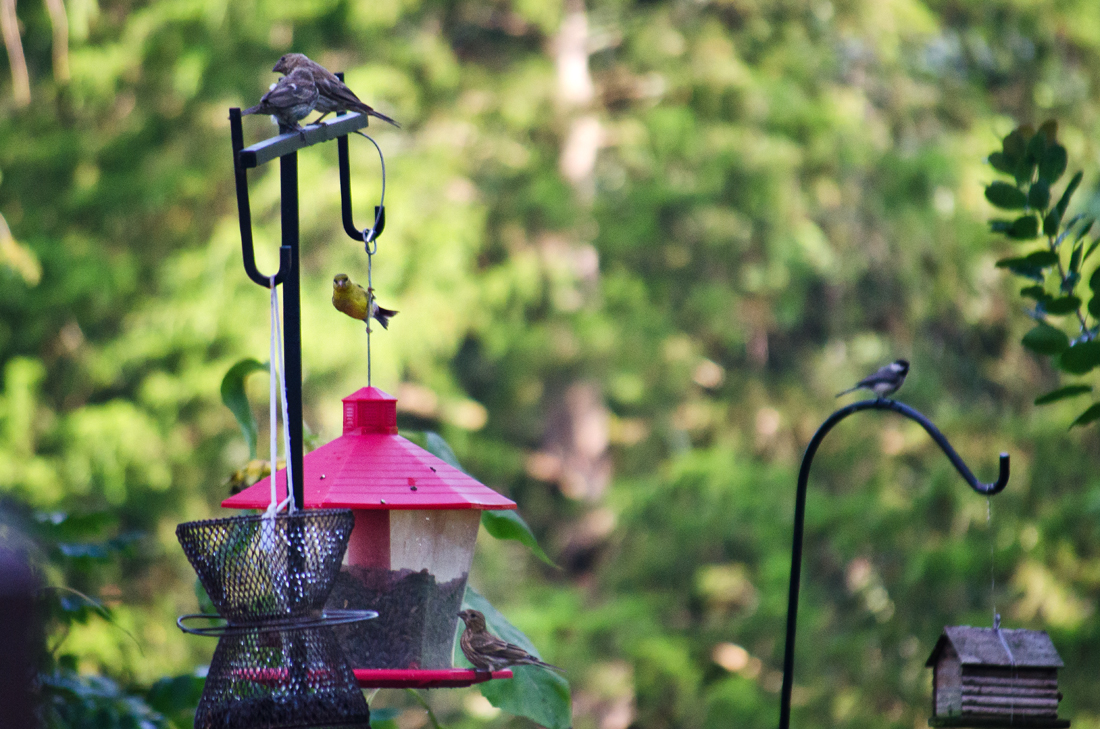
{"x":256,"y":568}
{"x":282,"y":678}
{"x":275,"y":666}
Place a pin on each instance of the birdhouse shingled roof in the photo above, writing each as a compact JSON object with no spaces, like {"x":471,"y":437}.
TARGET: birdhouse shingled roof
{"x":998,"y":647}
{"x":370,"y":466}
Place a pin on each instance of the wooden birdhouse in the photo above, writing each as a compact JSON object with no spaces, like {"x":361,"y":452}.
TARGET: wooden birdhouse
{"x":995,"y":677}
{"x":416,"y":522}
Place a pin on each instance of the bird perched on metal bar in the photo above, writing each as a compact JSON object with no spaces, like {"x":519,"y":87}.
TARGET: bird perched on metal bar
{"x":354,"y":300}
{"x":334,"y":93}
{"x":291,"y":99}
{"x":490,"y":653}
{"x":885,"y":381}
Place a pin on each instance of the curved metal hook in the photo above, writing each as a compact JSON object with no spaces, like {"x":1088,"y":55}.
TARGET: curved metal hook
{"x":800,"y":515}
{"x":355,"y":233}
{"x":244,"y":212}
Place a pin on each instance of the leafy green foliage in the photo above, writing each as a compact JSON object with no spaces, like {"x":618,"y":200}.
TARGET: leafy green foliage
{"x":1036,"y":160}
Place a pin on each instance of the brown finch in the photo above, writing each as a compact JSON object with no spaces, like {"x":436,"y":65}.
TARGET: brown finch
{"x":352,"y":299}
{"x":490,"y":653}
{"x":334,"y":93}
{"x":292,"y":98}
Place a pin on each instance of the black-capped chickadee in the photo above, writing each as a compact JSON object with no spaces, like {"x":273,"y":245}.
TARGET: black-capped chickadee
{"x":885,"y":381}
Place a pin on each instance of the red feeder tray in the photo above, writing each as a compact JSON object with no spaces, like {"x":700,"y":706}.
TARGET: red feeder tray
{"x":417,"y":678}
{"x":416,"y":523}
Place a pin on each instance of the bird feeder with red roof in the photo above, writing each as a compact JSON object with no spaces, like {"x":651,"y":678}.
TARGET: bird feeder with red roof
{"x":416,"y":523}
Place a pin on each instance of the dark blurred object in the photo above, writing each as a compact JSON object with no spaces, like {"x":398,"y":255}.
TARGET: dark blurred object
{"x":18,"y":587}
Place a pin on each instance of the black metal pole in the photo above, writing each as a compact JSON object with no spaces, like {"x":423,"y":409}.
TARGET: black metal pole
{"x":800,"y":516}
{"x":285,"y":147}
{"x":292,"y":324}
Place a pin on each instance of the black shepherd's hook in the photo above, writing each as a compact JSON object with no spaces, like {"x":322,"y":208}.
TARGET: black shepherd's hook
{"x":800,"y":516}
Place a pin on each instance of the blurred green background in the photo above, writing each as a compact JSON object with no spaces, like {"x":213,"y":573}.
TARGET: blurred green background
{"x":636,"y":247}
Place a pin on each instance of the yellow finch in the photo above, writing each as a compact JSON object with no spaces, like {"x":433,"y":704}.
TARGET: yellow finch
{"x":334,"y":93}
{"x":292,"y":98}
{"x":352,"y":299}
{"x":490,"y":653}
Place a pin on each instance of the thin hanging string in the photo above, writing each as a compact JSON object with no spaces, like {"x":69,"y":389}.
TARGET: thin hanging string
{"x":370,"y":245}
{"x":370,"y":301}
{"x":992,"y":561}
{"x":277,"y":357}
{"x":369,"y":234}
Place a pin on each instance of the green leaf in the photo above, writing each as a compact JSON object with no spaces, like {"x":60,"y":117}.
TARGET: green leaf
{"x":1080,"y":358}
{"x":1045,"y":339}
{"x":234,"y":397}
{"x":1050,"y":223}
{"x":434,"y":444}
{"x":1015,"y":144}
{"x":1024,"y":227}
{"x":1006,"y":196}
{"x":1030,"y":266}
{"x":1053,"y":163}
{"x":1094,"y":281}
{"x":1062,"y":305}
{"x":1034,"y":292}
{"x":539,"y":694}
{"x":1062,"y":393}
{"x":1036,"y":146}
{"x":1068,"y":228}
{"x":1039,"y":259}
{"x":508,"y":524}
{"x":1075,"y":259}
{"x":1090,"y":249}
{"x":1001,"y":163}
{"x":1089,"y":416}
{"x":1038,"y":197}
{"x":1063,"y":202}
{"x":1014,"y":148}
{"x":1094,"y":306}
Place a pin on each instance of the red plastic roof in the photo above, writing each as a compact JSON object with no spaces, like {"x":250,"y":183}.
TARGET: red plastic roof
{"x":370,"y":466}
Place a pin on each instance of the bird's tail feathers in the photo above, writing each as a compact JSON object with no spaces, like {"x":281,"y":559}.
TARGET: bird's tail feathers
{"x":383,"y":117}
{"x":384,"y":315}
{"x":251,"y":110}
{"x":551,"y":666}
{"x":850,"y":389}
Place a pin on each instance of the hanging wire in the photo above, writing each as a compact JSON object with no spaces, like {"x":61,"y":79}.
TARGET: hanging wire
{"x":369,"y":234}
{"x":992,"y":560}
{"x":370,"y":246}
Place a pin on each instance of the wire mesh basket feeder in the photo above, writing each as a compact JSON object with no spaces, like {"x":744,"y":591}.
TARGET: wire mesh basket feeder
{"x":280,"y":678}
{"x":257,"y":568}
{"x":278,"y":663}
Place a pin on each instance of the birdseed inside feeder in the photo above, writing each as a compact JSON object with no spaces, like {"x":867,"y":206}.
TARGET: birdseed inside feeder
{"x":416,"y":523}
{"x":995,"y":677}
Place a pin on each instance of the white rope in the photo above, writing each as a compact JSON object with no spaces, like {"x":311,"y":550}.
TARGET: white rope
{"x":275,"y":506}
